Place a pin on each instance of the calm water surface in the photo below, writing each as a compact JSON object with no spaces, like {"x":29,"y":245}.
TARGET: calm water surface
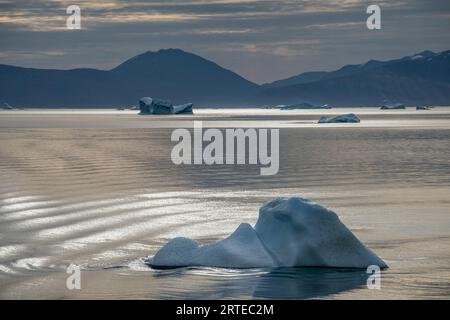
{"x":97,"y":188}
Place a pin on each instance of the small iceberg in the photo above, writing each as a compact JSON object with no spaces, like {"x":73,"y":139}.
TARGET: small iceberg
{"x":303,"y":105}
{"x":344,"y":118}
{"x":290,"y":232}
{"x":395,"y":106}
{"x":149,"y":105}
{"x":6,"y":106}
{"x":183,"y":108}
{"x":424,"y":108}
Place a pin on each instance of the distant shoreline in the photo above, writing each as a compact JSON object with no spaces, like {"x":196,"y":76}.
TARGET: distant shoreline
{"x":205,"y":108}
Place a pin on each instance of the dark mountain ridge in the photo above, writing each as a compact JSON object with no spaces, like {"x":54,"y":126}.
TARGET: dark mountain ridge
{"x":170,"y":74}
{"x":182,"y":77}
{"x":420,"y":79}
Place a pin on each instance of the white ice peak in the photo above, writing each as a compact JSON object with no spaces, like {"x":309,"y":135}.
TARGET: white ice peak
{"x":290,"y":232}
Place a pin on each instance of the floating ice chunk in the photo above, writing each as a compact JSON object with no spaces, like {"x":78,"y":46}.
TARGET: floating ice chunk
{"x":290,"y":232}
{"x":299,"y":232}
{"x":302,"y":105}
{"x":242,"y":249}
{"x":393,"y":106}
{"x":149,"y":105}
{"x":6,"y":106}
{"x":183,"y":108}
{"x":424,"y":108}
{"x":350,"y":117}
{"x":177,"y":252}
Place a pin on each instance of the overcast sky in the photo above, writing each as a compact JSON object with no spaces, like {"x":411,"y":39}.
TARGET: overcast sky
{"x":261,"y":40}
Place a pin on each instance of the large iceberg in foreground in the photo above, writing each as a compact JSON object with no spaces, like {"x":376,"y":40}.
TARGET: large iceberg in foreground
{"x":290,"y":232}
{"x":149,"y":105}
{"x":344,"y":118}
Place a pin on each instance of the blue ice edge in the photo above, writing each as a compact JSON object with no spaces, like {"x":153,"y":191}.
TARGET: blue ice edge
{"x":290,"y":232}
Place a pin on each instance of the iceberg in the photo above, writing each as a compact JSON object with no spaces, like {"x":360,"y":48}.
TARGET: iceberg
{"x":183,"y":108}
{"x":393,"y":106}
{"x":290,"y":232}
{"x":303,"y":105}
{"x":6,"y":106}
{"x":424,"y":108}
{"x":149,"y":105}
{"x":349,"y":118}
{"x":242,"y":249}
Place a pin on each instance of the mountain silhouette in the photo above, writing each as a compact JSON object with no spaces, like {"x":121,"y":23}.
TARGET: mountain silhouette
{"x":298,"y":79}
{"x":181,"y":77}
{"x":171,"y":74}
{"x":423,"y":78}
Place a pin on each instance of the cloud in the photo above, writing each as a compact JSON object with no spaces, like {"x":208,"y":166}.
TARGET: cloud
{"x":31,"y":54}
{"x":42,"y":15}
{"x":336,"y":25}
{"x":262,"y":40}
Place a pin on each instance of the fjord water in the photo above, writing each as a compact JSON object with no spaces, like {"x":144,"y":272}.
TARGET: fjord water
{"x":97,"y":188}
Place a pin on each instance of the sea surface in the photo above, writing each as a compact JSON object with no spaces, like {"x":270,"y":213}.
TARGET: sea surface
{"x":98,"y":189}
